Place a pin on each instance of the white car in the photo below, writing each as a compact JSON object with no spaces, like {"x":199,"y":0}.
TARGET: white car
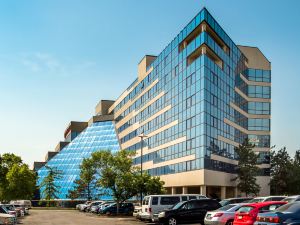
{"x":82,"y":206}
{"x":7,"y":219}
{"x":266,"y":199}
{"x":293,"y":198}
{"x":25,"y":203}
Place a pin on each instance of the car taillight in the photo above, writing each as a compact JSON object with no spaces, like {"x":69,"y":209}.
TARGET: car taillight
{"x":150,"y":210}
{"x":218,"y":215}
{"x":274,"y":219}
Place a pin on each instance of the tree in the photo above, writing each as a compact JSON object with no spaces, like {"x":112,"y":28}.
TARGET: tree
{"x":7,"y":161}
{"x":16,"y":180}
{"x":247,"y":169}
{"x":294,"y":184}
{"x":86,"y":182}
{"x":281,"y":172}
{"x":21,"y":182}
{"x":117,"y":175}
{"x":48,"y":186}
{"x":150,"y":185}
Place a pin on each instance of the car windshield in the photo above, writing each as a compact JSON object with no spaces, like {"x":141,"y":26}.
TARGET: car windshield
{"x":3,"y":209}
{"x":10,"y":207}
{"x":256,"y":200}
{"x":178,"y":205}
{"x":224,"y":202}
{"x":226,"y":207}
{"x":291,"y":207}
{"x":146,"y":200}
{"x":245,"y":209}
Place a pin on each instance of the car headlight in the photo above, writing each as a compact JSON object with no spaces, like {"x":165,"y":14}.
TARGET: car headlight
{"x":162,"y":214}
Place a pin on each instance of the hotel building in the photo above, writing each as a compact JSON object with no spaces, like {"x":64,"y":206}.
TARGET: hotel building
{"x":194,"y":103}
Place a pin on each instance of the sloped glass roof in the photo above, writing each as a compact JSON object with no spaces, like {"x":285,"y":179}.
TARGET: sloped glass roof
{"x":98,"y":136}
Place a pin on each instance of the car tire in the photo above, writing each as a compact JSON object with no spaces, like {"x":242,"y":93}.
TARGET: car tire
{"x":172,"y":221}
{"x":229,"y":222}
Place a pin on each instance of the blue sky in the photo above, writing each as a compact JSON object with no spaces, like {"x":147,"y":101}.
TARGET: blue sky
{"x":59,"y":57}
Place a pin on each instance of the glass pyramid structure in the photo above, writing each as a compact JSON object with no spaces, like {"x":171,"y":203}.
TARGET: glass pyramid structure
{"x":98,"y":136}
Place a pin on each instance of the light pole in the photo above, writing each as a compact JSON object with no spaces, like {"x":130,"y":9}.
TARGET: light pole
{"x":142,"y":136}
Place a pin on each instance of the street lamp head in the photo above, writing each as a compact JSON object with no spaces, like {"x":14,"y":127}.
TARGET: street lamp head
{"x":142,"y":135}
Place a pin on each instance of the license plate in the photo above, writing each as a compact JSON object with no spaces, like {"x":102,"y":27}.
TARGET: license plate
{"x":240,"y":217}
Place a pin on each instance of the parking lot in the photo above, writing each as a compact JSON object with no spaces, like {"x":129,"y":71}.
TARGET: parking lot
{"x":72,"y":217}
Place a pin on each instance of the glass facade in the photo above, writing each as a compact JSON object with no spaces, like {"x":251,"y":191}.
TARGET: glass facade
{"x":197,"y":75}
{"x":98,"y":136}
{"x":195,"y":102}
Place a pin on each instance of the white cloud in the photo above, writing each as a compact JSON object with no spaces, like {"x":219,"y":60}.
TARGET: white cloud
{"x":40,"y":62}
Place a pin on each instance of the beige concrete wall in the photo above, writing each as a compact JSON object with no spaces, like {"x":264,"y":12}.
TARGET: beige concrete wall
{"x":190,"y":178}
{"x":207,"y":179}
{"x":61,"y":145}
{"x":165,"y":145}
{"x":217,"y":178}
{"x":258,"y":132}
{"x":137,"y":139}
{"x":121,"y":97}
{"x":125,"y":119}
{"x":237,"y":90}
{"x":103,"y":106}
{"x":235,"y":144}
{"x":137,"y":124}
{"x":256,"y":58}
{"x":251,"y":116}
{"x":100,"y":118}
{"x":223,"y":159}
{"x":142,"y":67}
{"x":248,"y":82}
{"x":151,"y":165}
{"x":130,"y":102}
{"x":50,"y":155}
{"x":75,"y":126}
{"x":263,"y":182}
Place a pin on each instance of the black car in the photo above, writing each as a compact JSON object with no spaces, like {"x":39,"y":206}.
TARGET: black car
{"x":188,"y":211}
{"x":234,"y":200}
{"x":124,"y":208}
{"x":288,"y":214}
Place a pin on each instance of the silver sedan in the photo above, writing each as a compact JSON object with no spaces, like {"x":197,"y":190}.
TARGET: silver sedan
{"x":222,"y":216}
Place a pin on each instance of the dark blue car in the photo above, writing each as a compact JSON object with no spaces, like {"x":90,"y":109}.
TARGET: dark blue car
{"x":124,"y":208}
{"x":288,"y":214}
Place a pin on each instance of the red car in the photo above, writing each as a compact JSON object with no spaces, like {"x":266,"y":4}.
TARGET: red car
{"x":247,"y":214}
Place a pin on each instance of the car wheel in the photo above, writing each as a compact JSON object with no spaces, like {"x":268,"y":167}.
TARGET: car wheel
{"x":172,"y":221}
{"x":230,"y":222}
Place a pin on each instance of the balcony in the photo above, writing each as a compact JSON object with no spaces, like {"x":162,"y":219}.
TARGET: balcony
{"x":205,"y":50}
{"x":204,"y":27}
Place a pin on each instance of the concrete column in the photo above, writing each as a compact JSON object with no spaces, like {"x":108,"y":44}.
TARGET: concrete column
{"x":223,"y":192}
{"x":184,"y":190}
{"x":173,"y":190}
{"x":203,"y":190}
{"x":236,"y":192}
